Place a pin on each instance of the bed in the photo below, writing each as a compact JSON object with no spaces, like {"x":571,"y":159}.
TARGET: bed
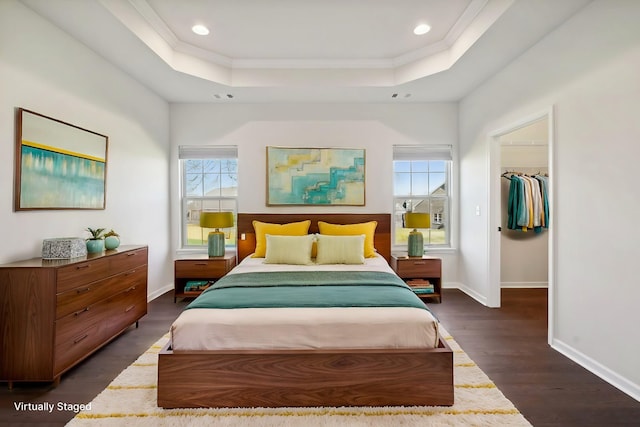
{"x":320,"y":356}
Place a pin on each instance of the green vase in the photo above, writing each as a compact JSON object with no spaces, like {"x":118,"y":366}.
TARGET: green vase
{"x":95,"y":246}
{"x":111,"y":242}
{"x":216,"y":243}
{"x":415,"y":244}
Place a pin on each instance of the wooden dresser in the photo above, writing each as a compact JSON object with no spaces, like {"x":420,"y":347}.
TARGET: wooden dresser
{"x":54,"y":313}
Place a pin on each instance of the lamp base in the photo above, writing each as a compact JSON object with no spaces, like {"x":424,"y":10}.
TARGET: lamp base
{"x":216,"y":243}
{"x":416,"y":244}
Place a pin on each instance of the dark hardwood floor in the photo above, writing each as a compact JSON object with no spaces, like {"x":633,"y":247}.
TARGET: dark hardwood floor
{"x":549,"y":389}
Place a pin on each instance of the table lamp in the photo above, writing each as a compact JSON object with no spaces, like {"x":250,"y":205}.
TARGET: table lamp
{"x":216,"y":220}
{"x":416,"y":220}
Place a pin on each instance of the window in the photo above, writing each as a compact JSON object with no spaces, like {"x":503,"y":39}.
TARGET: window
{"x":421,"y":176}
{"x":210,"y":183}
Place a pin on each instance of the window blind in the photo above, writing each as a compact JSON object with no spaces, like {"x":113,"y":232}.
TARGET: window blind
{"x":208,"y":152}
{"x":422,"y":152}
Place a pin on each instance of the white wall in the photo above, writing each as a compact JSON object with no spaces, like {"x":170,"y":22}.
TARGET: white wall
{"x":252,"y":127}
{"x":45,"y":70}
{"x":588,"y":70}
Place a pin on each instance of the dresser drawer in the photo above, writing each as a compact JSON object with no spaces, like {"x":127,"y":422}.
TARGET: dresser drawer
{"x":127,"y":260}
{"x":81,"y":273}
{"x":81,"y":331}
{"x":78,"y":298}
{"x":126,"y":308}
{"x":76,"y":346}
{"x":417,"y":268}
{"x":200,"y":269}
{"x":72,"y":324}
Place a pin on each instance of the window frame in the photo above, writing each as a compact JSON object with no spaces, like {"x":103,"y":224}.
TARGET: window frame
{"x":214,"y":203}
{"x":425,"y":153}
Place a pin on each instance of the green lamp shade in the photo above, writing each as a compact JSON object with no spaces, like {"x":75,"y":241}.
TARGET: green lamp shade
{"x":416,"y":220}
{"x":217,"y":220}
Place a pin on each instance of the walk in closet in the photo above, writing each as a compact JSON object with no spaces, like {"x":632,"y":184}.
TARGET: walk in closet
{"x":524,"y":242}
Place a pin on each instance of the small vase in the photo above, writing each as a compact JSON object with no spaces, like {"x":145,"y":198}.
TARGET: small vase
{"x":95,"y":246}
{"x":111,"y":242}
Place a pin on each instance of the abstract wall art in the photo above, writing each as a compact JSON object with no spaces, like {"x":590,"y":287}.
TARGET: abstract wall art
{"x":315,"y":176}
{"x":58,"y":165}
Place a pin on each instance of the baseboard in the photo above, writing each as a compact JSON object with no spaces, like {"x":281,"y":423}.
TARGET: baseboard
{"x":155,"y":294}
{"x":598,"y":369}
{"x":524,"y":284}
{"x":473,"y":294}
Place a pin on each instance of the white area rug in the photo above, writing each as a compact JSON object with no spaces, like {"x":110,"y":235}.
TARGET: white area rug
{"x":130,"y":400}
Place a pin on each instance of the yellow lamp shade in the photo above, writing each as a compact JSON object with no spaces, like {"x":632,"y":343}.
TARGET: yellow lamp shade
{"x":216,"y":219}
{"x":417,"y":220}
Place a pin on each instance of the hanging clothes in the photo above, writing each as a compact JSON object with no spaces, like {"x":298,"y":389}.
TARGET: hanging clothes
{"x":544,"y":185}
{"x":528,"y":203}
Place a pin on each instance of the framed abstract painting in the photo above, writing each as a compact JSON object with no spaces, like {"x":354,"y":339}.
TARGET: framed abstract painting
{"x":315,"y":176}
{"x":58,"y":165}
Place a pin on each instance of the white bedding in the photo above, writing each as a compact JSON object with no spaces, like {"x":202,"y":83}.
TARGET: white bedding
{"x":304,"y":328}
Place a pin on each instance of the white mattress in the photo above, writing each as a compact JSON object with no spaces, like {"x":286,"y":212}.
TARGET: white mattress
{"x":304,"y":328}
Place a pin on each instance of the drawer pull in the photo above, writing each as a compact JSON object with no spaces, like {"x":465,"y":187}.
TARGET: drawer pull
{"x":131,"y":254}
{"x":133,"y":288}
{"x":77,"y":340}
{"x":78,"y":313}
{"x":129,"y":273}
{"x":419,"y":263}
{"x":87,"y":289}
{"x":201,"y":263}
{"x":128,"y":309}
{"x":80,"y":267}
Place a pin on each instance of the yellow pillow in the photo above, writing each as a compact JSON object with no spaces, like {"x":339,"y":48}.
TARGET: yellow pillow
{"x":263,"y":228}
{"x":366,"y":228}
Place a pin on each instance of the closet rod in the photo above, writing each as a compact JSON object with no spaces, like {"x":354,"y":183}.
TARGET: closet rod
{"x":519,"y":173}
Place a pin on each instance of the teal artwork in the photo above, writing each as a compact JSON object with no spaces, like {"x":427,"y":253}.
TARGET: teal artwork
{"x":315,"y":176}
{"x":45,"y":173}
{"x":60,"y":166}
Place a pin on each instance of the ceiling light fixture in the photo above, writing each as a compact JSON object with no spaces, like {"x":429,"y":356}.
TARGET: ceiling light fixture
{"x":199,"y":29}
{"x":421,"y":29}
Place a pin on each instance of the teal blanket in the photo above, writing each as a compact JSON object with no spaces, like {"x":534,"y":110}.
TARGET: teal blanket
{"x":308,"y":289}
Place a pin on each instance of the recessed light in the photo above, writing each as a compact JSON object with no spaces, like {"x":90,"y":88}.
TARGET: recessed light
{"x":421,"y":29}
{"x":201,"y":30}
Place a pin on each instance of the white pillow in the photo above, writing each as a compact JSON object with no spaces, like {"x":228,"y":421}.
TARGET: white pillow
{"x":340,"y":249}
{"x":288,"y":249}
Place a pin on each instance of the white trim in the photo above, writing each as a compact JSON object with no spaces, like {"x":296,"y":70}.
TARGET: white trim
{"x":452,"y":285}
{"x":553,"y":243}
{"x":493,"y":222}
{"x":597,"y":369}
{"x":473,"y":294}
{"x":163,"y":290}
{"x":494,"y":207}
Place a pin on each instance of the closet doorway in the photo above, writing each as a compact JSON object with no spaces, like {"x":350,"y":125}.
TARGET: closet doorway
{"x":524,"y":251}
{"x":518,"y":258}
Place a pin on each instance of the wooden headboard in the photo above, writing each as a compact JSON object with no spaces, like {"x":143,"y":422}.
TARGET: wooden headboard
{"x":247,"y":237}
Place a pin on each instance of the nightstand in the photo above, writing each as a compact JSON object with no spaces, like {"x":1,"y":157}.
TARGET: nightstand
{"x":199,"y":267}
{"x":419,"y":273}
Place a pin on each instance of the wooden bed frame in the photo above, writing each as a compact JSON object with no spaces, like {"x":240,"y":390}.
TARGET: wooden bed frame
{"x":299,"y":378}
